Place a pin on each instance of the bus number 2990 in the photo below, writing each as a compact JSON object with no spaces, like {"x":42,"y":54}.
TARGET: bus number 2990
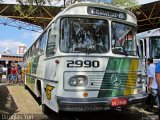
{"x":80,"y":63}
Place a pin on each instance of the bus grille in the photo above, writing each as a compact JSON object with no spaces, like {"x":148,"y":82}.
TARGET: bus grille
{"x":112,"y":81}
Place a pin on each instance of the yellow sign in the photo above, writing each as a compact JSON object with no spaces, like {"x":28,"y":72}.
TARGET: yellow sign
{"x":48,"y":91}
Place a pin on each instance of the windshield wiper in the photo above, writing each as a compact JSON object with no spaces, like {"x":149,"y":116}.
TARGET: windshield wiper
{"x":124,"y":51}
{"x":83,"y":50}
{"x":89,"y":48}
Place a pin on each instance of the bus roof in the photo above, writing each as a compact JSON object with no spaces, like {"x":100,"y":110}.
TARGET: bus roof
{"x":149,"y":33}
{"x":73,"y":10}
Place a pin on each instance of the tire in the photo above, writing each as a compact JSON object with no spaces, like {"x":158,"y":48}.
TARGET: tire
{"x":25,"y":87}
{"x":45,"y":109}
{"x":156,"y":108}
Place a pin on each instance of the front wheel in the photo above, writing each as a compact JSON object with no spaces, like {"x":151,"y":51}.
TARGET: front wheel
{"x":45,"y":109}
{"x":25,"y":87}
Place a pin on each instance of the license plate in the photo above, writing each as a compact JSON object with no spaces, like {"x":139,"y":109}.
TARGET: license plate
{"x":119,"y":102}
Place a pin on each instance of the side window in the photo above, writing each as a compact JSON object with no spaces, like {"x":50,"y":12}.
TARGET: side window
{"x":154,"y":47}
{"x":51,"y":44}
{"x":43,"y":41}
{"x":24,"y":57}
{"x":145,"y":48}
{"x":141,"y":47}
{"x":30,"y":53}
{"x":35,"y":49}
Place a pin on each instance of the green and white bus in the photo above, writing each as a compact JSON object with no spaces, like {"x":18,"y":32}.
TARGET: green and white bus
{"x":86,"y":60}
{"x":149,"y":45}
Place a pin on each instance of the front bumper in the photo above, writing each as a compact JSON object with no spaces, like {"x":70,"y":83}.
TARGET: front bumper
{"x":95,"y":104}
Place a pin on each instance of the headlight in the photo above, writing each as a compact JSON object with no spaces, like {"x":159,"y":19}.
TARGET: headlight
{"x":78,"y":80}
{"x":141,"y":79}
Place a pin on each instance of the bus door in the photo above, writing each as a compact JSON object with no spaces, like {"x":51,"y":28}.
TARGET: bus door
{"x":49,"y":84}
{"x":142,"y":47}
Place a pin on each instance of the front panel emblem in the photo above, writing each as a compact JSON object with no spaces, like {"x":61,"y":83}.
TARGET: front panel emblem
{"x":116,"y":80}
{"x":49,"y":88}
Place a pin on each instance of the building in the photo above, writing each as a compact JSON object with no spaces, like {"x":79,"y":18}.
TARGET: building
{"x":8,"y":58}
{"x":21,"y":49}
{"x":7,"y":50}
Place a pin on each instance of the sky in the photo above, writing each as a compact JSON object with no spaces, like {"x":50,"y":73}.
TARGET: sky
{"x":145,"y":1}
{"x":12,"y":37}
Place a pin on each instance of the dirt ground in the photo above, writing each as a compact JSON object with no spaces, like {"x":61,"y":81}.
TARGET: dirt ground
{"x":18,"y":103}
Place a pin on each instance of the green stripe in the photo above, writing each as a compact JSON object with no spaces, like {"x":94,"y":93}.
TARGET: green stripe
{"x":115,"y":66}
{"x":35,"y":64}
{"x":123,"y":68}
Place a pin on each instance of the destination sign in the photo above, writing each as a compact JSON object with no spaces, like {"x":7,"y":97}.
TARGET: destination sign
{"x":106,"y":12}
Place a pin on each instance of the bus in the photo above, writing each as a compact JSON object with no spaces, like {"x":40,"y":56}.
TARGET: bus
{"x":149,"y":46}
{"x":86,"y":60}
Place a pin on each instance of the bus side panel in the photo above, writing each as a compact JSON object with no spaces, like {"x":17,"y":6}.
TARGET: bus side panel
{"x":49,"y":95}
{"x":50,"y":84}
{"x":35,"y":68}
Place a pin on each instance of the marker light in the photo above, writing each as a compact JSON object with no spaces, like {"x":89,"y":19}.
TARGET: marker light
{"x":57,"y":61}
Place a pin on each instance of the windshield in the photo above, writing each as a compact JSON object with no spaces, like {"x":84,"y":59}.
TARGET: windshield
{"x":84,"y":35}
{"x":155,"y":47}
{"x":123,"y":39}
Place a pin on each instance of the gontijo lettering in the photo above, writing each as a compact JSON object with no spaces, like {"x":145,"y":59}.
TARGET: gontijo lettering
{"x":106,"y":12}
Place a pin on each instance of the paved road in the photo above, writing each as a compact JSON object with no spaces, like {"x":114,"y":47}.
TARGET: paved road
{"x":17,"y":103}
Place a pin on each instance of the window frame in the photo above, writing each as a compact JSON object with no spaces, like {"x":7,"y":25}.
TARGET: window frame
{"x":50,"y":32}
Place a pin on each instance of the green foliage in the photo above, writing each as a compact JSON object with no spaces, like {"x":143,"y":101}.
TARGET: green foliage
{"x":32,"y":6}
{"x":127,"y":4}
{"x":19,"y":9}
{"x":34,"y":2}
{"x":24,"y":12}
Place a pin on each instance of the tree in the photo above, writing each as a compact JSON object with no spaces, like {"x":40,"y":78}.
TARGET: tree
{"x":35,"y":11}
{"x":32,"y":6}
{"x":32,"y":2}
{"x":127,"y":4}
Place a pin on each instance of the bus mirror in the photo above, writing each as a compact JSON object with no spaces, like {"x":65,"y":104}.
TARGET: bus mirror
{"x":54,"y":29}
{"x":138,"y":52}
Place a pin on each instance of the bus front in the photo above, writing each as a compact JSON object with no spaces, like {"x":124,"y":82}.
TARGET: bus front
{"x":99,"y":65}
